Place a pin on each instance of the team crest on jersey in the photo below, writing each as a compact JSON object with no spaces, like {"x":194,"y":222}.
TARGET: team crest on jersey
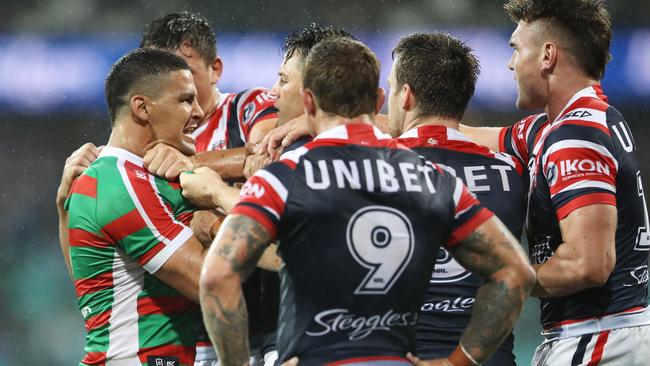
{"x":248,"y":112}
{"x":551,"y":173}
{"x":447,"y":269}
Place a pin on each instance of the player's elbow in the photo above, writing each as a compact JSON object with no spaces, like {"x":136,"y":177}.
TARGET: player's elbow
{"x":523,"y":276}
{"x":595,"y":274}
{"x":214,"y":279}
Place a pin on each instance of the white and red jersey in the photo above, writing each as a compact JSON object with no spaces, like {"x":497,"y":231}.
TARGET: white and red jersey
{"x":231,"y":122}
{"x":586,"y":156}
{"x":359,"y":219}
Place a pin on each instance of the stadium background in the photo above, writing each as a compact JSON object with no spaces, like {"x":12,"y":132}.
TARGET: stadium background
{"x":54,"y":55}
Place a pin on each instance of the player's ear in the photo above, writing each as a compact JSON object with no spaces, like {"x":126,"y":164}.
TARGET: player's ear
{"x":215,"y":70}
{"x":408,"y":98}
{"x":381,"y":99}
{"x":139,"y":108}
{"x":549,"y":56}
{"x":308,"y":102}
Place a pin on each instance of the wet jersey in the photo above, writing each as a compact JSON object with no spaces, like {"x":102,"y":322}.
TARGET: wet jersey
{"x":496,"y":181}
{"x":586,"y":156}
{"x":231,"y":123}
{"x":124,"y":224}
{"x":360,"y":221}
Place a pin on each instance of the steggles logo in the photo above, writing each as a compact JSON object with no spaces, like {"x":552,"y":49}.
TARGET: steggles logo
{"x":359,"y":327}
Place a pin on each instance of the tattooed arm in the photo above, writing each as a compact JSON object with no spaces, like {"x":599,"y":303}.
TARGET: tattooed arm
{"x":492,"y":253}
{"x":231,"y":258}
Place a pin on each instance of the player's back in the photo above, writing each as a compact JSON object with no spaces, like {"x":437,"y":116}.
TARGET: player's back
{"x":360,"y":228}
{"x":496,"y":180}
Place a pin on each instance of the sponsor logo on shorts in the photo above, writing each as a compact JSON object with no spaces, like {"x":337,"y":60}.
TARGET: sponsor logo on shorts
{"x":640,"y":276}
{"x":358,"y":327}
{"x":162,"y":361}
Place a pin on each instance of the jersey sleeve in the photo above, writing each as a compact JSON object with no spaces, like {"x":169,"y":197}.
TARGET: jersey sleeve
{"x":518,"y":139}
{"x":253,"y":106}
{"x":264,"y":196}
{"x":469,"y":214}
{"x":580,"y":168}
{"x":149,"y":233}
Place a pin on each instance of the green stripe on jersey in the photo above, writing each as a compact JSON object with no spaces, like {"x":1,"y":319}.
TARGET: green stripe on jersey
{"x":157,"y":329}
{"x":173,"y":197}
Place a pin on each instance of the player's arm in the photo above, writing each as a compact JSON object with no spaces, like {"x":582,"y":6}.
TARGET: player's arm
{"x":486,"y":136}
{"x":165,"y":161}
{"x":587,"y":256}
{"x":206,"y":189}
{"x":235,"y":253}
{"x":181,"y":271}
{"x":492,"y":253}
{"x":75,"y":164}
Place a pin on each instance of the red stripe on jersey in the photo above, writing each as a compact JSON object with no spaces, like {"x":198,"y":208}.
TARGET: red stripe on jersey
{"x":260,"y":192}
{"x":175,"y":185}
{"x":257,"y":215}
{"x":185,"y":354}
{"x":151,"y":204}
{"x":85,"y":185}
{"x":146,"y":257}
{"x":585,"y":200}
{"x":186,"y":217}
{"x":502,"y":139}
{"x":203,"y":344}
{"x":597,"y":355}
{"x":466,"y":200}
{"x":350,"y":361}
{"x":574,"y":165}
{"x":202,"y":141}
{"x":94,"y":359}
{"x":85,"y":286}
{"x":124,"y":226}
{"x":164,"y":305}
{"x":98,"y":320}
{"x":467,"y":228}
{"x":290,"y":163}
{"x":83,"y":238}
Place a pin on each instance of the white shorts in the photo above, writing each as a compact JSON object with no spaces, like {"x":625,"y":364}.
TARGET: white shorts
{"x":206,"y":356}
{"x":628,"y":345}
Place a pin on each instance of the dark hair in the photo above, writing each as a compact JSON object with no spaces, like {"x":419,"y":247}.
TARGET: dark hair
{"x":302,"y":41}
{"x":343,"y":74}
{"x":170,"y":31}
{"x":134,"y":72}
{"x":586,"y":24}
{"x":441,"y":71}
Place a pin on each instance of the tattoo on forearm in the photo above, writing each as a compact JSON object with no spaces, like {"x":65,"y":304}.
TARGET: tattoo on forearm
{"x":498,"y":304}
{"x":475,"y":254}
{"x":228,"y":329}
{"x":243,"y":244}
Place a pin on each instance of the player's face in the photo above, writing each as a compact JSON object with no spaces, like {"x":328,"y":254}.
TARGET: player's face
{"x":287,"y":90}
{"x":526,"y":62}
{"x":205,"y":76}
{"x":396,"y":114}
{"x":175,"y":112}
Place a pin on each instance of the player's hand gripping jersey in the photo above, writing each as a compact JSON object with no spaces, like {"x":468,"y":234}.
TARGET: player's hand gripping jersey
{"x":587,"y":156}
{"x":360,"y":221}
{"x":124,"y":225}
{"x":496,"y":180}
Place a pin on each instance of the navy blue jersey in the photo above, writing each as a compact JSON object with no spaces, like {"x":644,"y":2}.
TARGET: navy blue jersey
{"x":360,"y":221}
{"x":496,"y":180}
{"x":587,"y":156}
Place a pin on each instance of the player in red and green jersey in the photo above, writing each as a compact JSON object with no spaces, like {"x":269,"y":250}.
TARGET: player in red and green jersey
{"x":134,"y":261}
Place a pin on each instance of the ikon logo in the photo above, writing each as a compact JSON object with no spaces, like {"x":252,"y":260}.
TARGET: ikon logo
{"x":252,"y":190}
{"x":568,"y":167}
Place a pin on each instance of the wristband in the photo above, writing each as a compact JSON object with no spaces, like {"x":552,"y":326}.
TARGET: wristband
{"x":460,"y":357}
